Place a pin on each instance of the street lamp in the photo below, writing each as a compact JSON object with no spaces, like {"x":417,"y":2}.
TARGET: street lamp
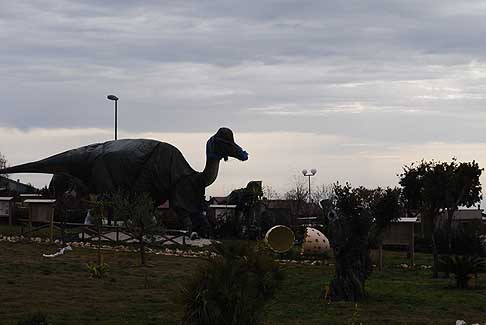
{"x":115,"y":99}
{"x":309,"y":174}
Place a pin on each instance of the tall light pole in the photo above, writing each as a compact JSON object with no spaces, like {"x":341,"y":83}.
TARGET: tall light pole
{"x":115,"y":99}
{"x":309,"y":174}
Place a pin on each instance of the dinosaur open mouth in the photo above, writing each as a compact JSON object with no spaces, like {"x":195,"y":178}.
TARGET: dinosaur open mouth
{"x":243,"y":155}
{"x":223,"y":148}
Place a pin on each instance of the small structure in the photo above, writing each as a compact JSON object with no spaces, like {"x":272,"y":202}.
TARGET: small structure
{"x":41,"y":211}
{"x":401,"y":233}
{"x":222,"y":212}
{"x":7,"y":208}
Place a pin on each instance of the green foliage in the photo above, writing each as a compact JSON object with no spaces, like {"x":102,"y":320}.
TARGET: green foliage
{"x":38,"y":318}
{"x":98,"y":271}
{"x":383,"y":206}
{"x":97,"y":211}
{"x":463,"y":267}
{"x":232,"y":287}
{"x":97,"y":208}
{"x":429,"y":185}
{"x":138,"y":212}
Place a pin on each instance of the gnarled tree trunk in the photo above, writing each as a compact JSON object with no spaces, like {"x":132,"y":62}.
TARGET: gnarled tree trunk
{"x":349,"y":239}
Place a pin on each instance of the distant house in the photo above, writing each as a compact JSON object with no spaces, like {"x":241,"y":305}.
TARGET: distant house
{"x":474,"y":219}
{"x":217,"y":200}
{"x":265,"y":213}
{"x":8,"y":185}
{"x":290,"y":213}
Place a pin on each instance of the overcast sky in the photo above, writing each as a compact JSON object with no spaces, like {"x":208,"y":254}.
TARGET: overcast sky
{"x":355,"y":89}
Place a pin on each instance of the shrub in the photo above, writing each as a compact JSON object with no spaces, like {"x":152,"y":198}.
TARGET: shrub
{"x":232,"y":287}
{"x":463,"y":267}
{"x":98,"y":270}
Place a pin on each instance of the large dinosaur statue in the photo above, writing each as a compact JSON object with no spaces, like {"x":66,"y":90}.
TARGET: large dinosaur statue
{"x":141,"y":165}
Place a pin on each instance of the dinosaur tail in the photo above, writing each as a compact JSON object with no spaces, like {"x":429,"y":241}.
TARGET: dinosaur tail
{"x":32,"y":167}
{"x":49,"y":165}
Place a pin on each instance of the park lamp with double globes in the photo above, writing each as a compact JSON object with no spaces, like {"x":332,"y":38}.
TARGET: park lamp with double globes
{"x":115,"y":99}
{"x":312,"y":172}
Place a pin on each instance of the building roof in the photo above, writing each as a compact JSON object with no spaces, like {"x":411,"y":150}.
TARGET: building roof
{"x":218,"y":199}
{"x":40,"y":201}
{"x":466,"y":214}
{"x":408,"y":219}
{"x":223,"y":206}
{"x":295,"y":207}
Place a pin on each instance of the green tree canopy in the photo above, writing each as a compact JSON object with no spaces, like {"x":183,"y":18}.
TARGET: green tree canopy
{"x":432,"y":187}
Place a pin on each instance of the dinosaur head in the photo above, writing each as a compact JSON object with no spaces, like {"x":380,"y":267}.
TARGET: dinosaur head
{"x":222,"y":145}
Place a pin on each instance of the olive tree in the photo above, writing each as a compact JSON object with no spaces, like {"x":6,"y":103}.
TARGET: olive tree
{"x":356,"y":222}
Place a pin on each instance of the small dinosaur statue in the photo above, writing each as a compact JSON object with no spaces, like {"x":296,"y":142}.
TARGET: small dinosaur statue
{"x":141,"y":165}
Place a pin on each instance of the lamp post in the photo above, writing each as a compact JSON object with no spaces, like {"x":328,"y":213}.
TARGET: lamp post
{"x":115,"y":99}
{"x":309,"y":174}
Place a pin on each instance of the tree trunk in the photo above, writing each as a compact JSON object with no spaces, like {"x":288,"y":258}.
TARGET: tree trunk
{"x":435,"y":266}
{"x":100,"y":258}
{"x":142,"y":250}
{"x":450,"y":216}
{"x":142,"y":245}
{"x":349,"y":239}
{"x":351,"y":273}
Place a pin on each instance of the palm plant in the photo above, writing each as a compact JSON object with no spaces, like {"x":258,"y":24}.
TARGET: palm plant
{"x":231,"y":288}
{"x":463,"y":267}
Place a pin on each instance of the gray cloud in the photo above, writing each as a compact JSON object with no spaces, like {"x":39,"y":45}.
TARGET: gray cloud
{"x":392,"y":71}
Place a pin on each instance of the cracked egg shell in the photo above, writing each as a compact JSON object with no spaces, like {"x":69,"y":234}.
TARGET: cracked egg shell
{"x":280,"y":238}
{"x":315,"y":242}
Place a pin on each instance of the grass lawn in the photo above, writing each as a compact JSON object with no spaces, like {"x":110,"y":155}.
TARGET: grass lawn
{"x":62,"y":289}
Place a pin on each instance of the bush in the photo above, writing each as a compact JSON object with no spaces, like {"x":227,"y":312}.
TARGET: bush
{"x":231,"y":287}
{"x":463,"y":267}
{"x":97,"y":270}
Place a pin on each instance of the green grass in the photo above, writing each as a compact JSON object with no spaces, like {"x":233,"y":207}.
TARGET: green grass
{"x":62,"y":289}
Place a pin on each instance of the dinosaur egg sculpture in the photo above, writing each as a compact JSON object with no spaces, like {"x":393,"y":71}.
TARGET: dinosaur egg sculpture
{"x":315,"y":243}
{"x":280,"y":238}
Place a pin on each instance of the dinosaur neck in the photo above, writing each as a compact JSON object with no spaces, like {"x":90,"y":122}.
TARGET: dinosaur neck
{"x":210,"y":171}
